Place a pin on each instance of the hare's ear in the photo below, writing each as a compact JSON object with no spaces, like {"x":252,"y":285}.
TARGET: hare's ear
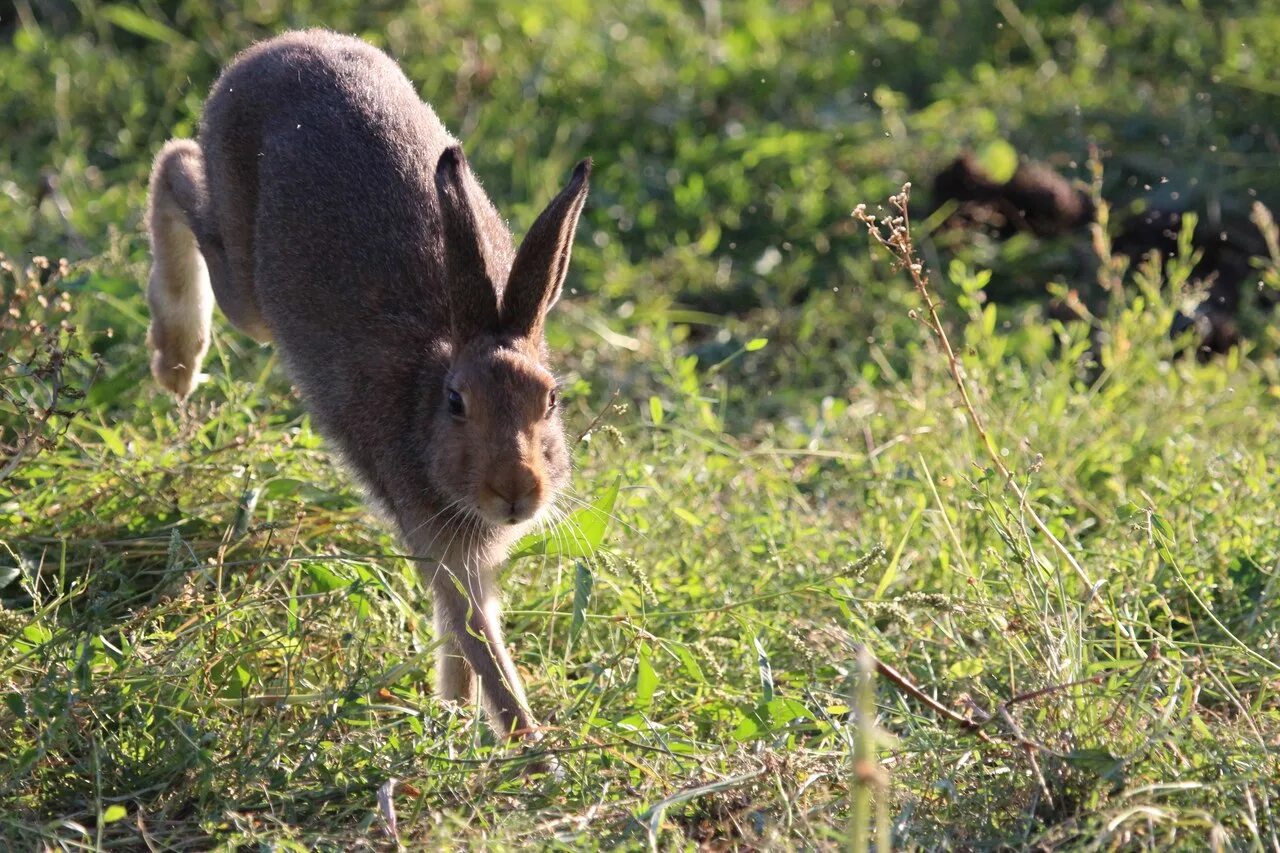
{"x":473,"y":300}
{"x":543,"y":259}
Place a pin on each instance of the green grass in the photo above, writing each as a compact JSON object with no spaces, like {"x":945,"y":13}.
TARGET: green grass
{"x":206,"y":642}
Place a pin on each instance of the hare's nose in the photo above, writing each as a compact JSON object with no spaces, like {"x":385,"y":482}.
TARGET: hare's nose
{"x":514,"y":488}
{"x":516,"y":492}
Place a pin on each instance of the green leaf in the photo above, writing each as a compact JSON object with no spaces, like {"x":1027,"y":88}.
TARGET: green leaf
{"x":114,"y":813}
{"x":360,"y":601}
{"x":655,"y":411}
{"x":770,"y":716}
{"x":1098,"y":762}
{"x":756,"y":344}
{"x":1162,"y":526}
{"x":748,"y":728}
{"x":110,"y":437}
{"x":686,"y":516}
{"x":710,"y":238}
{"x":134,"y":21}
{"x":288,"y":487}
{"x":1164,"y":538}
{"x":646,"y":678}
{"x":327,"y":579}
{"x":578,"y":535}
{"x":230,"y":678}
{"x":37,"y":633}
{"x":891,"y":570}
{"x":999,"y":159}
{"x":766,"y":670}
{"x":244,"y":512}
{"x":967,"y":668}
{"x":690,"y":664}
{"x":16,"y":704}
{"x":282,"y":487}
{"x":582,"y":583}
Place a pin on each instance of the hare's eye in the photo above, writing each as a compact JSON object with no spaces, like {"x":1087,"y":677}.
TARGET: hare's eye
{"x":551,"y":402}
{"x":456,"y":407}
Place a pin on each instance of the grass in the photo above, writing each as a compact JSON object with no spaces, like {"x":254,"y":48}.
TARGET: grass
{"x":206,"y":642}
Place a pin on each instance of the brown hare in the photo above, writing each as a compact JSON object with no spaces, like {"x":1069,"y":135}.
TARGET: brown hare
{"x":329,"y":211}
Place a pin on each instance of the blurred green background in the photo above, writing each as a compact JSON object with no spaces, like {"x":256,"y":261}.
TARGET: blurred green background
{"x":731,"y":139}
{"x":205,"y":643}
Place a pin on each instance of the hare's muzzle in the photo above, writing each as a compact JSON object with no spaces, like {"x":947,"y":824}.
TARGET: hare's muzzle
{"x":512,"y":498}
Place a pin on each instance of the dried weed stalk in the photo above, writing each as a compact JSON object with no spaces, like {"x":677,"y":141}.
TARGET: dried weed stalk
{"x":39,"y":376}
{"x":894,"y":234}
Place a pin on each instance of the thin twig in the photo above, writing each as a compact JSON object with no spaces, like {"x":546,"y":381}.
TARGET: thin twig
{"x":976,"y":726}
{"x":1029,"y":747}
{"x":899,"y":243}
{"x":1053,"y":688}
{"x":595,"y":422}
{"x":904,"y":684}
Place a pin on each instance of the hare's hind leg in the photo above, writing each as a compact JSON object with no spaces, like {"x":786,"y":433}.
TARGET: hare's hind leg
{"x":192,"y":265}
{"x":232,"y":286}
{"x":233,"y":188}
{"x":178,"y":292}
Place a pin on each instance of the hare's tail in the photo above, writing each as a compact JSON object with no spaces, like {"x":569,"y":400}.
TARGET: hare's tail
{"x":179,"y":293}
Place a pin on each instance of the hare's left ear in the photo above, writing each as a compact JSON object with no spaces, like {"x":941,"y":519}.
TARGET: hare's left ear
{"x":473,"y":300}
{"x":538,"y":273}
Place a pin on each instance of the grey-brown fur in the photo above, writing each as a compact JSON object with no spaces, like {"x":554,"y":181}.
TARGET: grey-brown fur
{"x":338,"y":218}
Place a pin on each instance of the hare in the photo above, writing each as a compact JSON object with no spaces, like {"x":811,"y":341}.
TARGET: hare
{"x":328,"y":210}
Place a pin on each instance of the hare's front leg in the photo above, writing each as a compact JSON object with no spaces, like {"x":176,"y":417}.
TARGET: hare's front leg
{"x":470,"y":621}
{"x":455,"y":679}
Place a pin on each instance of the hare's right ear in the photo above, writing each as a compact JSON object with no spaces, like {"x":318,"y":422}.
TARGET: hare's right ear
{"x":473,"y":299}
{"x":538,"y":273}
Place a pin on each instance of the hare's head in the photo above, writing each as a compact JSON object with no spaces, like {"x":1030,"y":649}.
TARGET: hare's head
{"x":498,"y":444}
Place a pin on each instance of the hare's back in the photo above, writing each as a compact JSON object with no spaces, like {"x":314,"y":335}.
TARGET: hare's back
{"x":319,"y":145}
{"x":336,"y":83}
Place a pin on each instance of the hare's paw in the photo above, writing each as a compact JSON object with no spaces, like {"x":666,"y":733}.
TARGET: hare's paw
{"x":175,"y":361}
